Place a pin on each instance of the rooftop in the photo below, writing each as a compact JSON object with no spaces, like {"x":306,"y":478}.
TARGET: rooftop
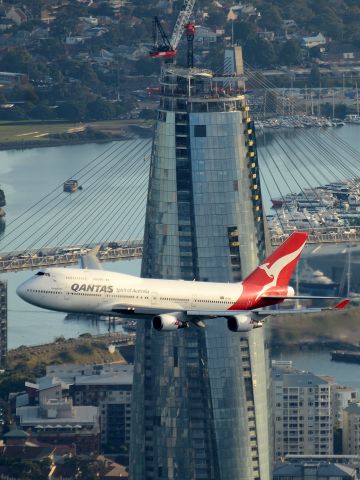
{"x":80,"y":416}
{"x":353,"y":408}
{"x":300,"y":379}
{"x":125,"y":378}
{"x":323,"y":470}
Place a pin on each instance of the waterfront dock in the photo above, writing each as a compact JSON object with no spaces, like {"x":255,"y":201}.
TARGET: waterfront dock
{"x":346,"y":356}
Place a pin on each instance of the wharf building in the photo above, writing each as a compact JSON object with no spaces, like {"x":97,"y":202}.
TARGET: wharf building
{"x":200,"y":395}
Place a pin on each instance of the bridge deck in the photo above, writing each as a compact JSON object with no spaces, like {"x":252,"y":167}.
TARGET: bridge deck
{"x":32,"y":260}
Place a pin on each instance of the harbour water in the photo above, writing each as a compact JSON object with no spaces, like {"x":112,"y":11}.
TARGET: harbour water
{"x":319,"y":362}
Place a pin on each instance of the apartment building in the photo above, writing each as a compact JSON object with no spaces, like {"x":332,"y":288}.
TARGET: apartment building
{"x":303,"y":422}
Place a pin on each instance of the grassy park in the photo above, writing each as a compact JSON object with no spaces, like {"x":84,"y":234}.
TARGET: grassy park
{"x":27,"y":134}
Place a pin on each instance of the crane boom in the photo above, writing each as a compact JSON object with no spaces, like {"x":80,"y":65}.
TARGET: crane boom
{"x":182,"y":20}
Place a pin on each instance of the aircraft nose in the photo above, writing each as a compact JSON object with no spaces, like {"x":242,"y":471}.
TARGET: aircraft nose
{"x":21,"y":291}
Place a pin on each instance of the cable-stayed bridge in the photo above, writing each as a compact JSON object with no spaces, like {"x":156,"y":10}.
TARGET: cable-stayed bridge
{"x":112,"y":202}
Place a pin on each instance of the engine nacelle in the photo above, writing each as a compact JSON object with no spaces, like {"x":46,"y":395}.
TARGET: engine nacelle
{"x":240,"y":323}
{"x":168,"y":322}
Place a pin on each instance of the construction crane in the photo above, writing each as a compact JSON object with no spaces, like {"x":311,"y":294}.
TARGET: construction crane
{"x":166,"y":49}
{"x":162,"y":46}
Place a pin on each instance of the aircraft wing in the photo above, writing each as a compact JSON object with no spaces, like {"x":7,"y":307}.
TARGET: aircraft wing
{"x":90,"y":260}
{"x":297,"y":297}
{"x":264,"y":311}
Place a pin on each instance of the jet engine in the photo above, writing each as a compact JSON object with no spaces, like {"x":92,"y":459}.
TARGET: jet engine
{"x":240,"y":323}
{"x":168,"y":322}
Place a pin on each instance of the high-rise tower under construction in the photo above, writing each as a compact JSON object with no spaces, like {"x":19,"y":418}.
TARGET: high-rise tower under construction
{"x":200,"y":395}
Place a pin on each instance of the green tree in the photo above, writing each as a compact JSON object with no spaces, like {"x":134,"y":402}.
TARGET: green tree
{"x":260,"y":52}
{"x":216,"y":18}
{"x":315,"y":76}
{"x":15,"y":61}
{"x":243,"y":31}
{"x":25,"y":93}
{"x":341,"y":110}
{"x":11,"y":114}
{"x":42,"y":112}
{"x":271,"y":18}
{"x":290,"y":53}
{"x":99,"y":109}
{"x":104,"y":8}
{"x":72,"y":111}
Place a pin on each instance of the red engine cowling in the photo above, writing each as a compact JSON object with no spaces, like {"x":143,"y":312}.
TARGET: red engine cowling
{"x":169,"y":322}
{"x":240,"y":323}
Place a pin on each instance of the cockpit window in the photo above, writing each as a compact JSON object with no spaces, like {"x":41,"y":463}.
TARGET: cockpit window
{"x":42,"y":273}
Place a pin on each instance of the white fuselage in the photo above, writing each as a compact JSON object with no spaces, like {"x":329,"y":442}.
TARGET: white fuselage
{"x":98,"y":291}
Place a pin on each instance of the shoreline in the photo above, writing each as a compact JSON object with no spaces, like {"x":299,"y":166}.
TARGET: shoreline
{"x":17,"y":136}
{"x":61,"y":142}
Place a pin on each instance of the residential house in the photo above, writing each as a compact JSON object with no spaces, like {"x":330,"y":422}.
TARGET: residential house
{"x":47,"y":15}
{"x":246,"y":12}
{"x":205,"y":36}
{"x":313,"y":41}
{"x":17,"y":15}
{"x":6,"y":23}
{"x":12,"y":78}
{"x":268,"y":36}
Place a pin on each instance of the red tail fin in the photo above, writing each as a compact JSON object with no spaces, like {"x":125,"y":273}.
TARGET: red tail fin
{"x":276,"y":270}
{"x":343,"y":303}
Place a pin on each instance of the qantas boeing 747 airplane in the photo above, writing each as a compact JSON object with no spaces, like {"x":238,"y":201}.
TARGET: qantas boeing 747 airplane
{"x":172,"y":304}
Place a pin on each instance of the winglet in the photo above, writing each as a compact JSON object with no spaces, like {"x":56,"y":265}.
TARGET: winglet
{"x":343,"y":303}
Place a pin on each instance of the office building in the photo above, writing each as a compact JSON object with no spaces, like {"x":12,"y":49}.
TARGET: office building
{"x":200,"y":396}
{"x":111,"y":393}
{"x":106,"y":386}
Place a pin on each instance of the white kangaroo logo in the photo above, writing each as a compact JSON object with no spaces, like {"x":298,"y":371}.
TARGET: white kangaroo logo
{"x":276,"y":268}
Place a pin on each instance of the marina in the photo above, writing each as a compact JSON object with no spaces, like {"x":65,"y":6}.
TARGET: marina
{"x":332,"y":209}
{"x":298,"y":121}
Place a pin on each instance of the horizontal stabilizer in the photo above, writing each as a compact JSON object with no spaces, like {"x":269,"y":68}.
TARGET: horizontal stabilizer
{"x":297,"y":297}
{"x":264,"y":311}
